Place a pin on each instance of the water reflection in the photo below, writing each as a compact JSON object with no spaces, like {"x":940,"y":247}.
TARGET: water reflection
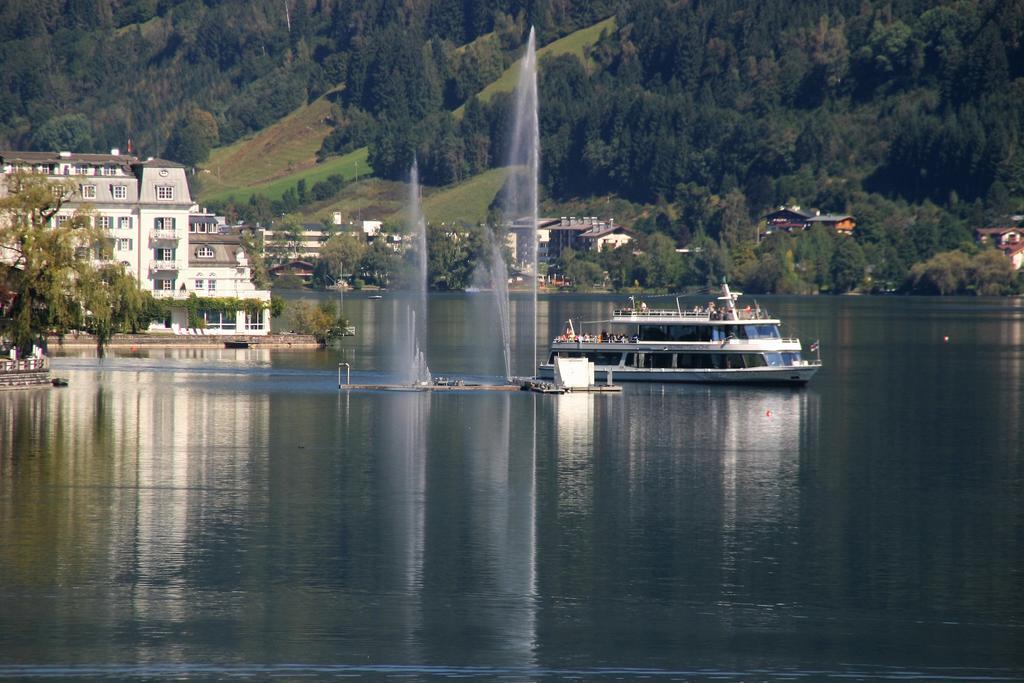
{"x":173,"y":509}
{"x":112,"y":486}
{"x":482,"y":501}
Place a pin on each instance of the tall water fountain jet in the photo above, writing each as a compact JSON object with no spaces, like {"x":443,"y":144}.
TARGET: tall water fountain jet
{"x":520,"y":201}
{"x":411,"y":359}
{"x":499,"y":278}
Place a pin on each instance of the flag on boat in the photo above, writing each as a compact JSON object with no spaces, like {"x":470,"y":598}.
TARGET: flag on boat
{"x":814,"y":346}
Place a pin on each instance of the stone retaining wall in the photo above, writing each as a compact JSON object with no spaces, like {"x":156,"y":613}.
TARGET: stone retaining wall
{"x":127,"y":341}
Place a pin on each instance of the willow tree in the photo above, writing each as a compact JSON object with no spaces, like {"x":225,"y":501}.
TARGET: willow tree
{"x":47,"y":268}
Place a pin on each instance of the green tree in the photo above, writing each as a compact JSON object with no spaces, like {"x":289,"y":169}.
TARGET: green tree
{"x":64,"y":133}
{"x":666,"y":267}
{"x":324,"y":321}
{"x":192,"y":137}
{"x":847,"y":267}
{"x":343,"y":251}
{"x":49,"y":269}
{"x":944,"y":273}
{"x":990,"y":273}
{"x":379,"y":264}
{"x":114,"y":303}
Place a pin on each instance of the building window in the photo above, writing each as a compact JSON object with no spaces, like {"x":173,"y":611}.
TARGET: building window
{"x":218,"y":320}
{"x":124,"y":222}
{"x":109,"y":170}
{"x":163,"y":254}
{"x":119,"y":191}
{"x":104,"y":222}
{"x":204,"y":252}
{"x":165,"y":223}
{"x":163,"y":285}
{"x":87,"y":191}
{"x":123,"y":244}
{"x":254,"y":321}
{"x":165,"y":193}
{"x":211,"y":285}
{"x":199,"y":283}
{"x":81,"y":169}
{"x":60,"y":220}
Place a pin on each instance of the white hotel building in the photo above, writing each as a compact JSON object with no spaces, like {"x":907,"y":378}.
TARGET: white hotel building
{"x":157,"y":232}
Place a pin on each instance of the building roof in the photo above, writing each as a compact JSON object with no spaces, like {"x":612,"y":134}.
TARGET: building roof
{"x":829,"y":218}
{"x":599,"y":231}
{"x":153,"y":162}
{"x":784,"y":211}
{"x":225,"y":250}
{"x":997,"y":231}
{"x":58,"y":157}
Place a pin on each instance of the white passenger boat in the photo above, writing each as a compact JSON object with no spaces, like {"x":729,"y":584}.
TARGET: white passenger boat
{"x":714,"y":343}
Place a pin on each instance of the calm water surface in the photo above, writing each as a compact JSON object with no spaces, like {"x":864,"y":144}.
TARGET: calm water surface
{"x":202,"y":514}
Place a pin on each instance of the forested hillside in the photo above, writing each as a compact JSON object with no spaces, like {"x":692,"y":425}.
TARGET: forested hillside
{"x":691,"y":118}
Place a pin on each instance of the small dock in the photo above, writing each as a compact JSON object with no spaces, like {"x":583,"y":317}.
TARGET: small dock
{"x":537,"y":386}
{"x":544,"y":387}
{"x":434,"y":388}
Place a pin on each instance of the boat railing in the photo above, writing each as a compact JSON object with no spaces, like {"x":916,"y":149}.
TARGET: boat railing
{"x":627,"y":339}
{"x":699,"y":314}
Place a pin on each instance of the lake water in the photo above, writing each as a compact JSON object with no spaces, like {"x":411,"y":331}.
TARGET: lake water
{"x":214,"y":513}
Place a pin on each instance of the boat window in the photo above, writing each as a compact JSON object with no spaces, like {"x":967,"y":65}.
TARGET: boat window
{"x":694,"y":361}
{"x":754,"y":360}
{"x":719,"y":333}
{"x":730,"y":361}
{"x":653,"y":333}
{"x":661,"y":360}
{"x":790,"y":358}
{"x":689,"y":333}
{"x":773,"y":358}
{"x":762,"y":331}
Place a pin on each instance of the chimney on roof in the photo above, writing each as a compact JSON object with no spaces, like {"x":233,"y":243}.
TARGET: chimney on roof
{"x":64,"y":155}
{"x":114,"y":151}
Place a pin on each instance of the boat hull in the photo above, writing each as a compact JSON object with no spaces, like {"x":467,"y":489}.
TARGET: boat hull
{"x":794,"y":375}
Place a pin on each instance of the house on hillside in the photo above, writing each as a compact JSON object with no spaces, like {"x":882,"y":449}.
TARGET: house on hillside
{"x":605,"y":236}
{"x":785,"y":220}
{"x":842,"y":224}
{"x":146,"y":208}
{"x":792,"y":219}
{"x":555,"y":235}
{"x":1009,"y":240}
{"x":1001,"y":236}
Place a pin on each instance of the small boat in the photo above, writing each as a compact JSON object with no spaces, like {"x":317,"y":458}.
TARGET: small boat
{"x":59,"y":381}
{"x":713,"y":343}
{"x":375,"y":296}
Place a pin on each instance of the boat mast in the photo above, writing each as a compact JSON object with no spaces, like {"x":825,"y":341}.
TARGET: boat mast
{"x":730,"y":301}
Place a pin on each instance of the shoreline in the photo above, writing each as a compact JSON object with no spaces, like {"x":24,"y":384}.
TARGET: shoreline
{"x":158,"y":340}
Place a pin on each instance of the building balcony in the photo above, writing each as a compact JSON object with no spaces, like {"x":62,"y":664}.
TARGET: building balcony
{"x":164,"y":266}
{"x":164,"y":236}
{"x":169,"y":294}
